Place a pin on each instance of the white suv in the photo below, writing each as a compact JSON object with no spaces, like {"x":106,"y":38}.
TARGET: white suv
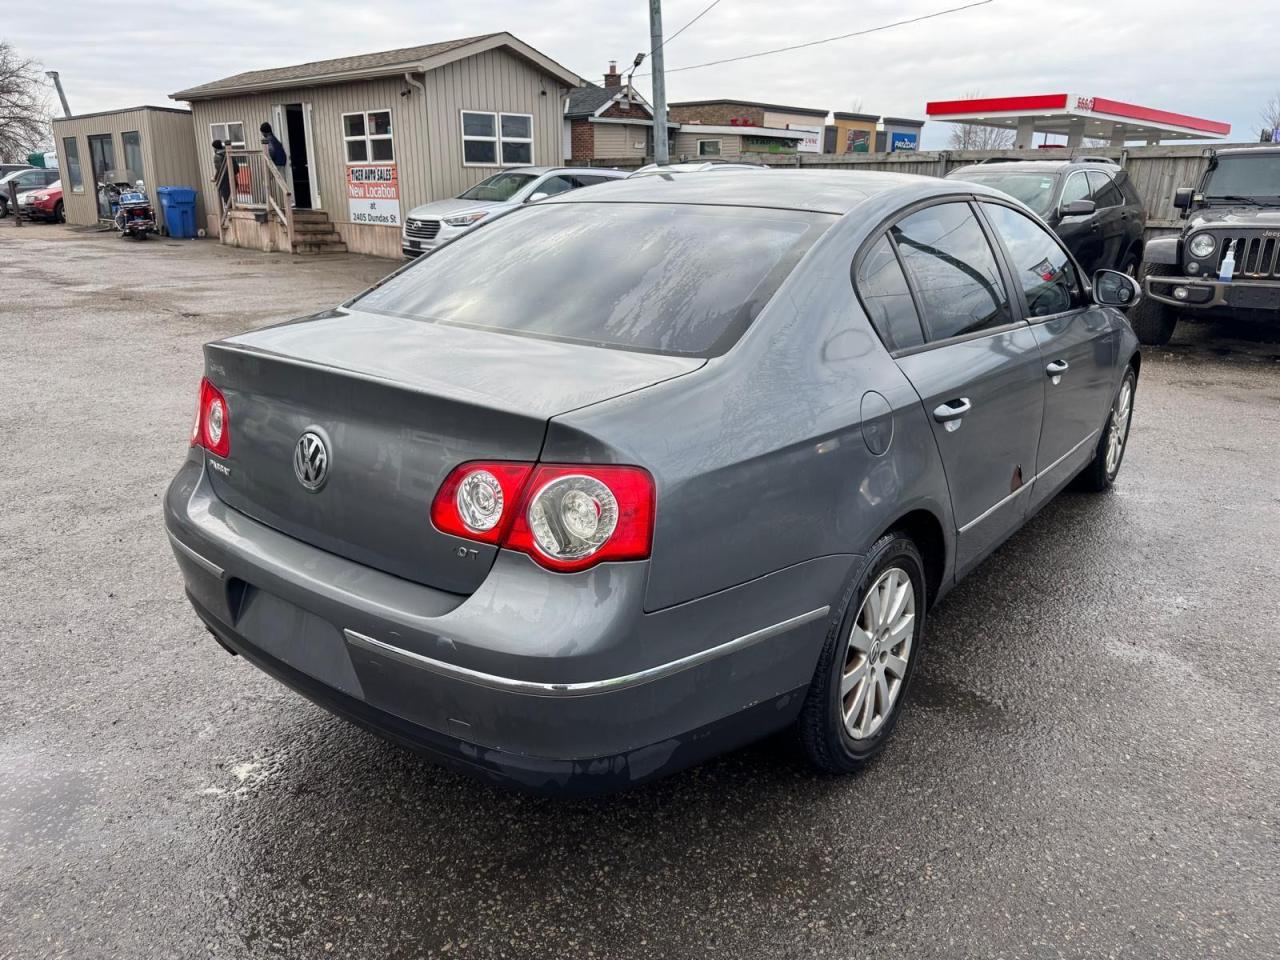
{"x":432,"y":224}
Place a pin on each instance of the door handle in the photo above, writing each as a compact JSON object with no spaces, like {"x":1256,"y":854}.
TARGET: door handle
{"x":1057,"y":368}
{"x":950,"y":413}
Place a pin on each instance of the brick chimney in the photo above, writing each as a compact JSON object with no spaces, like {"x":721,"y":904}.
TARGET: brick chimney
{"x":613,"y":78}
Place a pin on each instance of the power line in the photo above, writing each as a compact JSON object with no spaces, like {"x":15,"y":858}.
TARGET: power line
{"x":691,"y":22}
{"x":814,"y":43}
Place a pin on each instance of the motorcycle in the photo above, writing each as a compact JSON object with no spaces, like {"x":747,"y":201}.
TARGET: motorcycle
{"x":134,"y":216}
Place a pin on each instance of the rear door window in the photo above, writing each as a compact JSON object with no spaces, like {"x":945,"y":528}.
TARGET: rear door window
{"x":1039,"y":262}
{"x":882,"y":286}
{"x":1104,"y":191}
{"x":953,"y":271}
{"x":679,"y":279}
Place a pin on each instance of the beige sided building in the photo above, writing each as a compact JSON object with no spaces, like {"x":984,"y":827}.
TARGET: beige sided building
{"x":370,"y":137}
{"x":152,"y":144}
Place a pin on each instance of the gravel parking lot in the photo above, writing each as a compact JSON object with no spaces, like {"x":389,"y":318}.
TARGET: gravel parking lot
{"x":1090,"y":766}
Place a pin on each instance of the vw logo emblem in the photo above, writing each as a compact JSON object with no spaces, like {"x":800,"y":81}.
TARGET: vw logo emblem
{"x":311,"y":460}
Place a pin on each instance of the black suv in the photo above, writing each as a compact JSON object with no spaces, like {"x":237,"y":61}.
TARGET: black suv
{"x":1225,"y":261}
{"x":1087,"y":201}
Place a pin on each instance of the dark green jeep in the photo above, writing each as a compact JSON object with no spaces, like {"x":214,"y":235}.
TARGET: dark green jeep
{"x":1225,"y":262}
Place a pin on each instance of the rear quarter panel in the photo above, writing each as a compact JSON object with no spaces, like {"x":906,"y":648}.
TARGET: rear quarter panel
{"x":759,"y":458}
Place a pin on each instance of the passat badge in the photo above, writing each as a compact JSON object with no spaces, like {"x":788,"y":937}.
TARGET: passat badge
{"x":311,"y":460}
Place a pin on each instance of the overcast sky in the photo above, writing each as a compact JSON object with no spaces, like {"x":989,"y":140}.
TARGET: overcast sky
{"x":1215,"y":60}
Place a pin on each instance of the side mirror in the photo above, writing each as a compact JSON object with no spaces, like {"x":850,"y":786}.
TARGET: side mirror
{"x":1078,"y":208}
{"x":535,"y":197}
{"x":1182,"y":198}
{"x":1111,"y":288}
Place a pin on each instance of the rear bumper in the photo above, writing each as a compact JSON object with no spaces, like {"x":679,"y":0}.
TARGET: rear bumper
{"x":543,"y":681}
{"x":1205,"y":295}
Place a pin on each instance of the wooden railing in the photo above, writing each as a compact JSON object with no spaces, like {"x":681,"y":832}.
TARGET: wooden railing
{"x":257,"y":185}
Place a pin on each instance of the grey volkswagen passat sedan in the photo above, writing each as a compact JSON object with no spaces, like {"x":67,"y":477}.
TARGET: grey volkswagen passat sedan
{"x":689,"y":469}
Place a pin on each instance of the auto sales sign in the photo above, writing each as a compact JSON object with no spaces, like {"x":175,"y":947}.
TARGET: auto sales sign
{"x":373,"y":194}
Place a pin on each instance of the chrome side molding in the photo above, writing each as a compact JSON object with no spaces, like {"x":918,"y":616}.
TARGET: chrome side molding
{"x":587,"y":688}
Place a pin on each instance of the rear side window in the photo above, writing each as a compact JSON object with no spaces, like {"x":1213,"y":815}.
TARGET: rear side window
{"x":1039,"y":263}
{"x":679,"y":279}
{"x":883,"y":288}
{"x":953,"y":271}
{"x":1105,"y":193}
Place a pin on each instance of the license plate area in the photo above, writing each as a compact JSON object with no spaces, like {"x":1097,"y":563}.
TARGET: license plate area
{"x":301,"y":639}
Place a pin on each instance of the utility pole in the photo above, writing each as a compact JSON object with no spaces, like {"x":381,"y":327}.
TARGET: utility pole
{"x":660,"y":152}
{"x":57,"y":82}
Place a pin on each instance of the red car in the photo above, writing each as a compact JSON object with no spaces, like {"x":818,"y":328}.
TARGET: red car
{"x":43,"y":203}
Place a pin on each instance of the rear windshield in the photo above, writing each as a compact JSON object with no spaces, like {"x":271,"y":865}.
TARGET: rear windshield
{"x":1033,"y":189}
{"x":684,"y":280}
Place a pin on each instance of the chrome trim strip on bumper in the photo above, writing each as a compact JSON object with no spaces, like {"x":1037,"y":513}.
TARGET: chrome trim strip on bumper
{"x":200,"y":561}
{"x":587,"y":688}
{"x":1026,"y":486}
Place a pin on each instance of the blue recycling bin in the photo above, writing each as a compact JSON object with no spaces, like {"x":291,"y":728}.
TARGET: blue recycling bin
{"x":179,"y":206}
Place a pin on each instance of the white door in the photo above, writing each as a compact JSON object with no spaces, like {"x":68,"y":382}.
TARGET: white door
{"x":280,"y":123}
{"x":311,"y":156}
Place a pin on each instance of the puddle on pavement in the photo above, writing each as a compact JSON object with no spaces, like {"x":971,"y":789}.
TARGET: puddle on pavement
{"x":937,"y":693}
{"x":37,"y":805}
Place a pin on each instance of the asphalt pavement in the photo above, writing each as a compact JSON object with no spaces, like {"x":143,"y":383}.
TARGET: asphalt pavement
{"x":1089,"y":764}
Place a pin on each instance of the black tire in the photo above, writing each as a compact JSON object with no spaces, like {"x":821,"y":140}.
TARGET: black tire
{"x":820,"y":726}
{"x":1152,"y":320}
{"x":59,"y":214}
{"x":4,"y":208}
{"x":1098,"y":476}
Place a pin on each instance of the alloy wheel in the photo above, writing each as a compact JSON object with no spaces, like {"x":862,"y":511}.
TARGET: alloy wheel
{"x":876,"y":655}
{"x":1119,"y":430}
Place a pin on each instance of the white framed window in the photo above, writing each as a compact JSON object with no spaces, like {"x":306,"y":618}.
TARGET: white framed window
{"x":708,"y":148}
{"x":496,"y":139}
{"x":367,"y":137}
{"x":231,"y":134}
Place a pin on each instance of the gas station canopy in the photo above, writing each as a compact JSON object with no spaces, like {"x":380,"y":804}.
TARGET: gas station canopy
{"x":1076,"y":117}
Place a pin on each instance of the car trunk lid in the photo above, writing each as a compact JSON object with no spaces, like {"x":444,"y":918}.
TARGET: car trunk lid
{"x":398,"y":403}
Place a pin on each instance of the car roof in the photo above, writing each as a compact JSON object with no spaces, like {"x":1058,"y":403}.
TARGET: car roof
{"x":1037,"y":166}
{"x":1236,"y":151}
{"x":824,"y":191}
{"x":699,"y":166}
{"x":540,"y":171}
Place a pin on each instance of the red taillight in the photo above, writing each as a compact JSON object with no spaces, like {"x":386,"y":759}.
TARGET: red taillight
{"x":477,"y":500}
{"x":212,"y":429}
{"x":566,"y":516}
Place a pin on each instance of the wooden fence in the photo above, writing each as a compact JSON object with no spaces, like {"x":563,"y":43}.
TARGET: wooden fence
{"x":1156,"y":172}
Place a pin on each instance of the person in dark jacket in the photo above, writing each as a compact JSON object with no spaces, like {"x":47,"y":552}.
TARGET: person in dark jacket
{"x":220,"y":172}
{"x":273,"y":148}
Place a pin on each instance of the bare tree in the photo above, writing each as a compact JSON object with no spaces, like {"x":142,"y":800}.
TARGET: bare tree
{"x":973,"y":136}
{"x":24,"y":105}
{"x":1270,"y":116}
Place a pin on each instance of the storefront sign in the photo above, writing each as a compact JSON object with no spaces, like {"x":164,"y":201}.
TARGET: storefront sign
{"x":903,"y":141}
{"x":373,"y":194}
{"x":859,"y":141}
{"x":766,"y":145}
{"x":812,"y":142}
